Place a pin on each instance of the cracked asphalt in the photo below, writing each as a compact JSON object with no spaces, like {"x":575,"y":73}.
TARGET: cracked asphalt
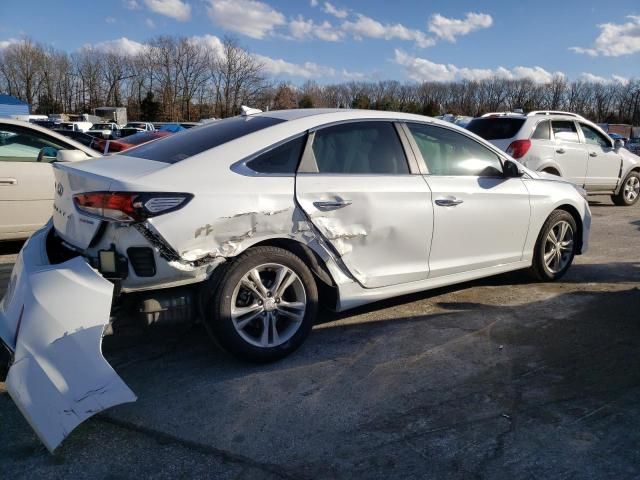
{"x":497,"y":378}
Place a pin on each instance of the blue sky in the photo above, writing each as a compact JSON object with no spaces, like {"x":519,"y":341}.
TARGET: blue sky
{"x":348,"y":39}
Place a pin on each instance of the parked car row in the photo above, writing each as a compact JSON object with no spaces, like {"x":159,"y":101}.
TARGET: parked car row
{"x":26,"y":176}
{"x":260,"y":218}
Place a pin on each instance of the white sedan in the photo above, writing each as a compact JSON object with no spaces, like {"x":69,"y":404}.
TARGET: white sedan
{"x":26,"y":175}
{"x":265,"y":216}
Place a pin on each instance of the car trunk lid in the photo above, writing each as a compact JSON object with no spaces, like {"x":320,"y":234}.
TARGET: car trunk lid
{"x":100,"y":175}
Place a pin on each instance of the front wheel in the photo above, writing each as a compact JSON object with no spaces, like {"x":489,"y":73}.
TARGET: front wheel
{"x":629,"y":192}
{"x":264,"y":305}
{"x":555,"y":247}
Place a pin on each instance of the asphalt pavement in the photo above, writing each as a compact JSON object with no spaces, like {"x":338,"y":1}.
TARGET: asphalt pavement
{"x":497,"y":378}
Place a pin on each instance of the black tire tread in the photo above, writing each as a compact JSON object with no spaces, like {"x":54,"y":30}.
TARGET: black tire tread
{"x":224,"y":334}
{"x":537,"y":270}
{"x":618,"y":198}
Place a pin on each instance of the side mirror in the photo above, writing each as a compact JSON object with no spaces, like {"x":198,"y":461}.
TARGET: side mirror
{"x":511,"y":169}
{"x":47,"y":154}
{"x":618,"y":144}
{"x":71,"y":155}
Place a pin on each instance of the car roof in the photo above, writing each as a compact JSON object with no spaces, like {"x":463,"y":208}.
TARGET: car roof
{"x":51,"y":133}
{"x":321,"y":116}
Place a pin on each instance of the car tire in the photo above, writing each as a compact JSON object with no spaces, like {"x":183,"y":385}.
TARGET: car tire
{"x":555,"y":247}
{"x":262,"y":305}
{"x":629,"y":191}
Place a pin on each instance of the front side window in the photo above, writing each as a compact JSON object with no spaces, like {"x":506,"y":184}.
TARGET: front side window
{"x":360,"y":148}
{"x":280,"y":160}
{"x":452,"y":154}
{"x":565,"y":131}
{"x":542,"y":131}
{"x":18,"y":144}
{"x":593,"y":137}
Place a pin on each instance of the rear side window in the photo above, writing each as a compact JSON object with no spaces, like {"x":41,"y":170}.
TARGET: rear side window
{"x":449,"y":153}
{"x":594,"y":137}
{"x":496,"y":128}
{"x":542,"y":131}
{"x":280,"y":160}
{"x":565,"y":131}
{"x":360,"y":148}
{"x":179,"y":146}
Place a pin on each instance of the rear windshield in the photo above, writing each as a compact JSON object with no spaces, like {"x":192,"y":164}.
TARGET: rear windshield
{"x":191,"y":142}
{"x":496,"y":128}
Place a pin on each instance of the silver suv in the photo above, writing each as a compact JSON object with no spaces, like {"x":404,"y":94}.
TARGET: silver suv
{"x":568,"y":145}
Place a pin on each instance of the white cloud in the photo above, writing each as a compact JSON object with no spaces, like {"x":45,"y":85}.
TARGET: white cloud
{"x":615,"y":39}
{"x":314,"y":3}
{"x":10,"y":41}
{"x":336,"y":12}
{"x":278,"y":67}
{"x":110,"y":20}
{"x":131,"y":4}
{"x":450,"y":28}
{"x":347,"y":75}
{"x":421,"y":70}
{"x":301,"y":28}
{"x":590,"y":77}
{"x":176,"y":9}
{"x":210,"y":41}
{"x":149,"y":23}
{"x":120,"y":46}
{"x":620,"y":79}
{"x":248,"y":17}
{"x":366,"y":27}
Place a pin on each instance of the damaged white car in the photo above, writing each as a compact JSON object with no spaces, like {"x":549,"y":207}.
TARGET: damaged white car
{"x":264,"y":216}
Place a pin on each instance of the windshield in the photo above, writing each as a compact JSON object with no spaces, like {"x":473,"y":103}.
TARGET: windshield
{"x":496,"y":128}
{"x":196,"y":140}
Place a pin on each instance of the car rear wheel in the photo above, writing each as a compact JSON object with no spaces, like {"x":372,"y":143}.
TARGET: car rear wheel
{"x":555,"y":247}
{"x":629,"y":192}
{"x":264,"y":305}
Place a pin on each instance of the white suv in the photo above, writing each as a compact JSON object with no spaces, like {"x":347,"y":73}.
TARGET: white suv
{"x":567,"y":145}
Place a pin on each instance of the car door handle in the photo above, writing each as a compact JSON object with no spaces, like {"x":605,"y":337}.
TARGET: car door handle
{"x":593,"y":154}
{"x":331,"y":204}
{"x":8,"y":181}
{"x":560,"y":150}
{"x":448,"y":202}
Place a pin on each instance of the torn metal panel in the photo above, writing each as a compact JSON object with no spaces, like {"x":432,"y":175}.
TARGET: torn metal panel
{"x":53,"y":320}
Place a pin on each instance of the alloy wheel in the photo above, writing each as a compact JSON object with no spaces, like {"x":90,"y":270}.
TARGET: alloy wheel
{"x":558,"y":248}
{"x":631,"y":189}
{"x":268,"y":305}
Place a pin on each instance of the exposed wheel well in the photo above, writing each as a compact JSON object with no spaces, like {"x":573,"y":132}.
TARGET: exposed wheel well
{"x":551,"y":170}
{"x":571,"y":210}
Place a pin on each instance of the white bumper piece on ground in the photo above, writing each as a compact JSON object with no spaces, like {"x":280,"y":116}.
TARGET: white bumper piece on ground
{"x":52,"y":318}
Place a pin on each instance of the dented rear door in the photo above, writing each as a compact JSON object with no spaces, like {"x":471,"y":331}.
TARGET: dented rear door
{"x":366,"y":203}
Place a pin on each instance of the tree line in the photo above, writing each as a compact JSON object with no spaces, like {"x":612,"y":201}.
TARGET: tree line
{"x":181,"y":79}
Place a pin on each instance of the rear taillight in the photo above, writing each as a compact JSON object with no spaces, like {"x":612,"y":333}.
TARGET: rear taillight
{"x":129,"y":206}
{"x":519,"y":148}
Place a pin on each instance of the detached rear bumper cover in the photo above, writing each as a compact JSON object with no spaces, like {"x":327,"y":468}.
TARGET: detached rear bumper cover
{"x":52,"y":318}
